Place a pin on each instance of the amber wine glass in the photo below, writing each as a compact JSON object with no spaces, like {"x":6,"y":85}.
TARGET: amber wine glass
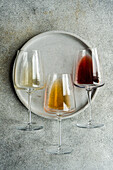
{"x":59,"y":99}
{"x":28,"y":75}
{"x":88,"y":74}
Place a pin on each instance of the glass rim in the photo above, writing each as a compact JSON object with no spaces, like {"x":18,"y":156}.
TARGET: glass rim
{"x":51,"y":74}
{"x":27,"y":50}
{"x":88,"y":48}
{"x":22,"y":51}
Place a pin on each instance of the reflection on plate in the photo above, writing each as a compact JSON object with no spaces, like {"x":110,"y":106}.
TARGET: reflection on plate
{"x":58,"y":50}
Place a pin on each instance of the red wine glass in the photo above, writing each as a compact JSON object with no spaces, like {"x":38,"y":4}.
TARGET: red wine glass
{"x":88,"y":75}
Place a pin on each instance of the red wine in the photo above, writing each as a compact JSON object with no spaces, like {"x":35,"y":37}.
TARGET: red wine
{"x":84,"y":73}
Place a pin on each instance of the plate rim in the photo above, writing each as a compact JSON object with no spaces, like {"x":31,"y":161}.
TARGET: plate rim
{"x":56,"y":32}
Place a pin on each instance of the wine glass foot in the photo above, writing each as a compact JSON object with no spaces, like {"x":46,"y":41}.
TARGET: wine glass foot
{"x":56,"y":151}
{"x":29,"y":127}
{"x":89,"y":125}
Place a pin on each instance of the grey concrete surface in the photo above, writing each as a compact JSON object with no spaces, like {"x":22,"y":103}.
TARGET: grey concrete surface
{"x":20,"y":20}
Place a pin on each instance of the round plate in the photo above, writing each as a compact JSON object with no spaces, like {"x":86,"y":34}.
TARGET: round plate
{"x":58,"y":50}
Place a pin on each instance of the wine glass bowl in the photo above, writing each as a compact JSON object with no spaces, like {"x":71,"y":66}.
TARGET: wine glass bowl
{"x":28,"y":75}
{"x":88,"y":74}
{"x":88,"y":71}
{"x":57,"y":96}
{"x":28,"y":71}
{"x":59,"y":99}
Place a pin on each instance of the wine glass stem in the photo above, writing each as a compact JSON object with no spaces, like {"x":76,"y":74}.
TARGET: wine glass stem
{"x":59,"y":144}
{"x":29,"y":108}
{"x":89,"y":103}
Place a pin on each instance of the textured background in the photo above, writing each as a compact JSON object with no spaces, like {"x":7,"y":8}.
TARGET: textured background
{"x":20,"y":20}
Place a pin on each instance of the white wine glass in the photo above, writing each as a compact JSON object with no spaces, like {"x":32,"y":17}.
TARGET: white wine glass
{"x":59,"y":99}
{"x":28,"y":75}
{"x":88,"y":74}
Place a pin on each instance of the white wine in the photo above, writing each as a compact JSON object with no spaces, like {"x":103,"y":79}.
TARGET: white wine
{"x":27,"y":79}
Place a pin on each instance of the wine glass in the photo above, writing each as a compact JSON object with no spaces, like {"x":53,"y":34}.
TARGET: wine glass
{"x":59,"y":99}
{"x":28,"y":75}
{"x":88,"y":75}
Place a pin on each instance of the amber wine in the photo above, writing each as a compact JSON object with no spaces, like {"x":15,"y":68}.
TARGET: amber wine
{"x":57,"y":98}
